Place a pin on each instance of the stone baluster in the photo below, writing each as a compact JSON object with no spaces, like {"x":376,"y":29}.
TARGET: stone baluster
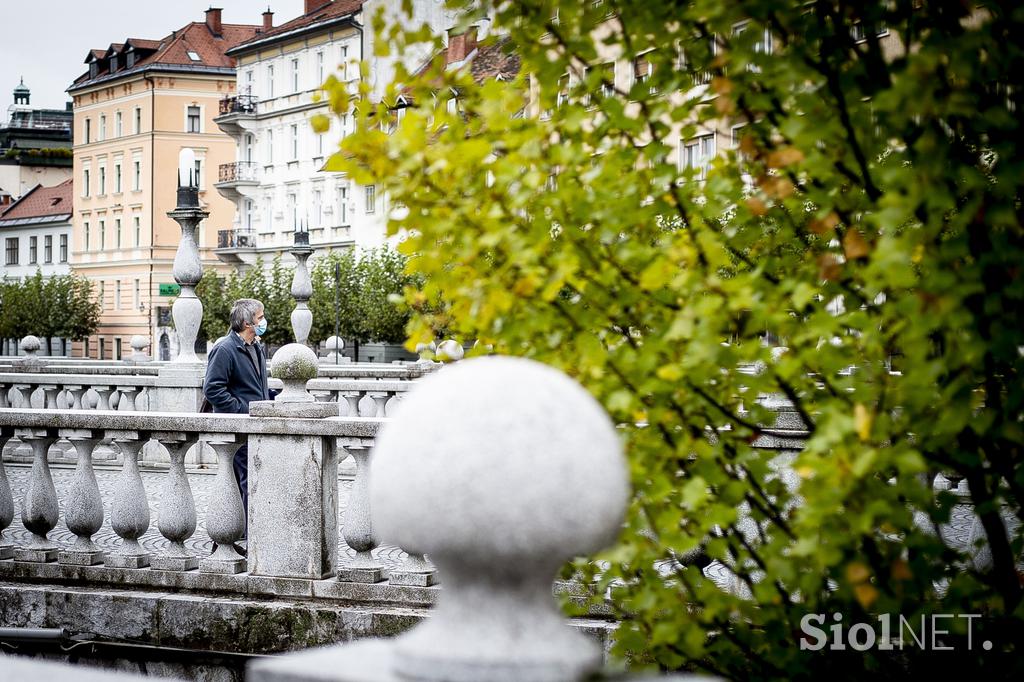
{"x":127,"y":401}
{"x":39,"y":509}
{"x":24,"y":399}
{"x":352,"y":398}
{"x":129,"y":512}
{"x":187,"y":310}
{"x":302,"y":289}
{"x":450,"y":351}
{"x":380,"y":401}
{"x":323,"y":396}
{"x":177,"y":518}
{"x":225,"y":518}
{"x":357,"y":527}
{"x":6,"y":499}
{"x":50,"y":392}
{"x":416,"y":570}
{"x":77,"y":393}
{"x":103,"y":393}
{"x":83,"y":508}
{"x":3,"y":396}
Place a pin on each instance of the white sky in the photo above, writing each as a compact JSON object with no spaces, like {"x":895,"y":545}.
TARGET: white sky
{"x":46,"y":41}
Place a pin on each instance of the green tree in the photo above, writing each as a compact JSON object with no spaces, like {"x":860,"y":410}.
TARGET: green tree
{"x":869,"y":217}
{"x":336,"y":279}
{"x":59,"y":306}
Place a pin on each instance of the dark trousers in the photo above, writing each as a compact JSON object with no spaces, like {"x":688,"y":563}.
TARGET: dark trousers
{"x":241,"y":467}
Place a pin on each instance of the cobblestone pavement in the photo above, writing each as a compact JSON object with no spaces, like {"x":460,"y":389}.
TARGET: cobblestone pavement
{"x":200,"y":483}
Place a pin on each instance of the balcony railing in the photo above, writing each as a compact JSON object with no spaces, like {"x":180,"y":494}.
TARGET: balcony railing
{"x":237,"y":171}
{"x":234,"y":239}
{"x":239,"y":104}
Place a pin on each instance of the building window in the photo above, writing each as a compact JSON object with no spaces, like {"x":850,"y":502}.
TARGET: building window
{"x":318,"y":208}
{"x":118,"y":132}
{"x":103,"y":234}
{"x":103,"y":180}
{"x":85,"y":235}
{"x":319,"y":68}
{"x":33,"y":250}
{"x":137,"y":175}
{"x":137,"y":123}
{"x":103,"y":341}
{"x":117,"y":347}
{"x":88,"y":130}
{"x":103,"y":128}
{"x":697,"y":155}
{"x":63,"y":248}
{"x":343,"y":63}
{"x":860,"y":33}
{"x":270,"y":146}
{"x":199,"y":173}
{"x":85,"y":182}
{"x":371,"y":198}
{"x":117,"y":295}
{"x":563,"y":90}
{"x":192,"y":120}
{"x":343,"y":205}
{"x":293,"y":209}
{"x":607,"y":86}
{"x":117,"y":232}
{"x":117,"y":178}
{"x":11,"y":245}
{"x":249,"y":209}
{"x":137,"y":228}
{"x":295,"y":75}
{"x":320,"y":144}
{"x":103,"y":305}
{"x":48,"y":248}
{"x":270,"y":81}
{"x":295,"y":142}
{"x":136,"y":294}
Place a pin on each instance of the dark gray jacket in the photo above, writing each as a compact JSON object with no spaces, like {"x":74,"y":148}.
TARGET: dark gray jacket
{"x":232,"y":379}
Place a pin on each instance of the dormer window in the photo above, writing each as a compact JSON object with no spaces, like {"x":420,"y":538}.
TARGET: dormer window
{"x":194,"y":56}
{"x":130,"y":59}
{"x":113,"y":63}
{"x":94,"y":69}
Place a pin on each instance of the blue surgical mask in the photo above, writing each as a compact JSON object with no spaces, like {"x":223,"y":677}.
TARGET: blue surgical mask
{"x":261,"y":328}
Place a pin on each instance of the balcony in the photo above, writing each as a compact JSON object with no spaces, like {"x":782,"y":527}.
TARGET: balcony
{"x":237,"y":180}
{"x":234,"y":244}
{"x":235,"y":113}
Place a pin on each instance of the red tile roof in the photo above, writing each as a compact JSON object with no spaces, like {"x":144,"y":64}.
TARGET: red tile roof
{"x":332,"y":10}
{"x":495,"y":59}
{"x":173,"y":50}
{"x":41,"y":201}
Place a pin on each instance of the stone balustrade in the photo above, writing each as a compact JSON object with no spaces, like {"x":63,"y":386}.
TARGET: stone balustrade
{"x":285,"y":518}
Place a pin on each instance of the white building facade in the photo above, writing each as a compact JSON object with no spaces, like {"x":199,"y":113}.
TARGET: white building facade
{"x":278,"y":182}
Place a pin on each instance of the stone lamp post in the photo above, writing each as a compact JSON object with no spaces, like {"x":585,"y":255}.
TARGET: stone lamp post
{"x":302,"y":288}
{"x":188,"y":268}
{"x":179,"y":386}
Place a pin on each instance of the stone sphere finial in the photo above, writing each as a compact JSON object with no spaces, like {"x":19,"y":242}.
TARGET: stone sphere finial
{"x":294,"y":364}
{"x":530,"y":475}
{"x":139,"y":343}
{"x":30,"y":344}
{"x":450,"y":351}
{"x":334,"y":344}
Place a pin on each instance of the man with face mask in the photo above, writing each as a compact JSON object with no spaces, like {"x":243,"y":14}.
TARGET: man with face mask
{"x":236,"y":374}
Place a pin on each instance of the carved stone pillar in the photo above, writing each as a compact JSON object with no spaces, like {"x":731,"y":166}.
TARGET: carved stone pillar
{"x":302,"y":289}
{"x":83,"y":507}
{"x":225,"y":518}
{"x":357,"y":527}
{"x":39,"y":508}
{"x":177,"y":518}
{"x":6,"y":499}
{"x":129,"y":511}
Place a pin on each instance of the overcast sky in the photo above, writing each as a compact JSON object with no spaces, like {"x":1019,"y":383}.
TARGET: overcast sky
{"x":46,"y":41}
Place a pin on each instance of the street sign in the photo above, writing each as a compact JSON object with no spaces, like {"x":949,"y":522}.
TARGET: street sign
{"x":169,"y":289}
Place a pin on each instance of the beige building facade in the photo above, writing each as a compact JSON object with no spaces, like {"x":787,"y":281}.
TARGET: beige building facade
{"x":139,"y":105}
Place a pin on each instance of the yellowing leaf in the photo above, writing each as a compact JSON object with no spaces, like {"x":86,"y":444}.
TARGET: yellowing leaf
{"x":854,"y":245}
{"x":757,"y":206}
{"x":866,"y":595}
{"x":857,"y":573}
{"x":862,"y":420}
{"x":784,"y":157}
{"x":824,"y":225}
{"x":670,"y":372}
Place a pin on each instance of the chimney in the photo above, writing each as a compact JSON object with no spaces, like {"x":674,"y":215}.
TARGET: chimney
{"x":213,"y":20}
{"x":314,"y":5}
{"x":268,"y":20}
{"x":461,"y":45}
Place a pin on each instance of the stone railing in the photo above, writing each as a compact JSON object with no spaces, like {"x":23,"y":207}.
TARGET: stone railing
{"x":293,"y":533}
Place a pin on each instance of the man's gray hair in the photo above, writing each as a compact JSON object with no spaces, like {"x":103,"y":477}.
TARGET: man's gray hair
{"x":244,"y":310}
